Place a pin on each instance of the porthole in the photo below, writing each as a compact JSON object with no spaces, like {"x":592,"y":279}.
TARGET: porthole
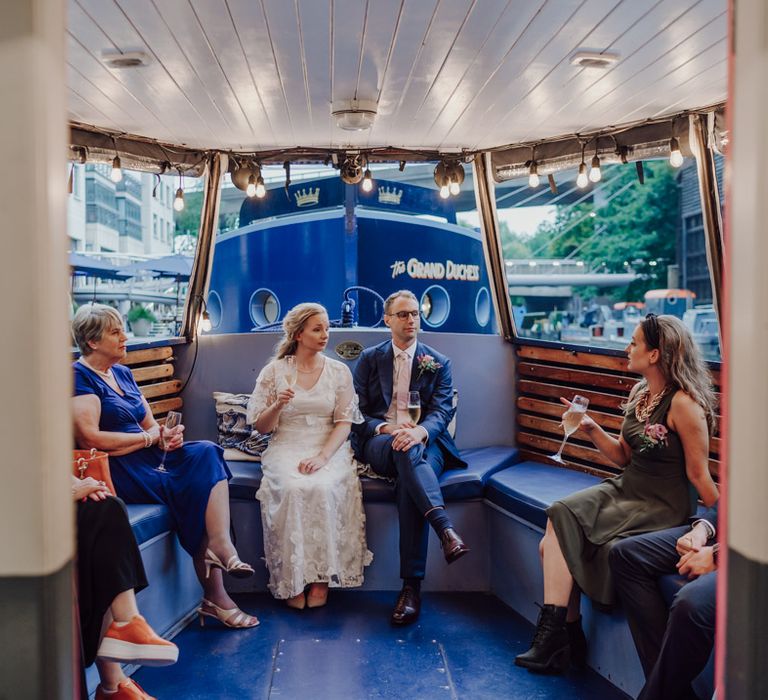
{"x":435,"y":306}
{"x":215,"y":308}
{"x":483,"y":307}
{"x":264,"y":307}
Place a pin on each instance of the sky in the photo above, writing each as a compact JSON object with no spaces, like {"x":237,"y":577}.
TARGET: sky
{"x":522,"y":220}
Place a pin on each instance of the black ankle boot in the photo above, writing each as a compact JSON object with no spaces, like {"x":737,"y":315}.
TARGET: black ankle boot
{"x":578,"y":644}
{"x":550,"y":649}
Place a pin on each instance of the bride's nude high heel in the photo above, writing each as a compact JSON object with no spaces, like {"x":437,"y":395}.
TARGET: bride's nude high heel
{"x":297,"y":602}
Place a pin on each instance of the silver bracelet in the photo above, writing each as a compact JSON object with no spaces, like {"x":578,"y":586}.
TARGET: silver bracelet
{"x":147,"y":439}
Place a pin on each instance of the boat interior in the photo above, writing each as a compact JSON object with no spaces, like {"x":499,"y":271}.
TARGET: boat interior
{"x":212,"y":91}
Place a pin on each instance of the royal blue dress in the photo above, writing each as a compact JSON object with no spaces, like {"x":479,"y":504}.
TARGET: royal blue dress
{"x":193,"y":470}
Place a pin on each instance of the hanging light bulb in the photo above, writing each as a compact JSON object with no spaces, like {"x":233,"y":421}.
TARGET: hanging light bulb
{"x":582,"y":180}
{"x":117,"y":173}
{"x":204,"y":324}
{"x":454,"y":188}
{"x":442,"y":180}
{"x":445,"y":191}
{"x":261,"y":191}
{"x":178,"y":202}
{"x":533,"y":177}
{"x":251,"y":189}
{"x":367,"y":181}
{"x":594,"y":174}
{"x":675,"y":156}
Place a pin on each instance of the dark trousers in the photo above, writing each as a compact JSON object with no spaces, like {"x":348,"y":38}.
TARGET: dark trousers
{"x":418,"y":491}
{"x":673,"y":644}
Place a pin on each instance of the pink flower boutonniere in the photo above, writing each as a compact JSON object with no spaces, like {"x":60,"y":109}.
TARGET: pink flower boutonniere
{"x":653,"y":435}
{"x":426,"y":363}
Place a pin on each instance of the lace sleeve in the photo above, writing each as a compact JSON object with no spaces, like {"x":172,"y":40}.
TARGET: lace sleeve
{"x":346,"y":408}
{"x":264,"y":393}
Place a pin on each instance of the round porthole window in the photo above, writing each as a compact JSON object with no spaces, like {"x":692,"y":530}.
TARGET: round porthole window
{"x":435,"y":306}
{"x":214,"y":308}
{"x":483,"y":307}
{"x":264,"y":307}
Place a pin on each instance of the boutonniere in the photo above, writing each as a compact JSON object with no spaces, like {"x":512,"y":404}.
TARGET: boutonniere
{"x":653,"y":435}
{"x":427,"y":363}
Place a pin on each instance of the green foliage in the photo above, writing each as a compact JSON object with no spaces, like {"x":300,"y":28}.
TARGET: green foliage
{"x":187,"y":221}
{"x":632,"y":223}
{"x":140,"y":312}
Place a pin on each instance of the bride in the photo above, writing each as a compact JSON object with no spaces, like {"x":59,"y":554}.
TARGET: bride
{"x":311,"y":499}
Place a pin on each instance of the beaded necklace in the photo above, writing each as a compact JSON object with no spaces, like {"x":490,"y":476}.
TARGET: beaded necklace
{"x":646,"y":404}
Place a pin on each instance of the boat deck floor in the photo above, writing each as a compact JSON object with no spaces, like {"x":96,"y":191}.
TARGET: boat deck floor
{"x":462,"y":647}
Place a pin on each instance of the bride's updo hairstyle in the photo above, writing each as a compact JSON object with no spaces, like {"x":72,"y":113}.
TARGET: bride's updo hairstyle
{"x":293,"y":323}
{"x":680,"y":361}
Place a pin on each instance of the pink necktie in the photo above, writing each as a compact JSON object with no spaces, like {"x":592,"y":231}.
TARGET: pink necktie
{"x":402,"y":386}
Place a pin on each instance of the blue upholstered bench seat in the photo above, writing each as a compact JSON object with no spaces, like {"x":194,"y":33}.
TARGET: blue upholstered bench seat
{"x":456,"y":484}
{"x":148,"y":521}
{"x":528,"y":489}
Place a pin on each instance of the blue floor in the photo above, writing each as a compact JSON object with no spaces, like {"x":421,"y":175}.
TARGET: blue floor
{"x":462,"y":647}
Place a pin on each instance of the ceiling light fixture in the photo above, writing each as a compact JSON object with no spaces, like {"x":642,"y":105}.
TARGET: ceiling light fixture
{"x":354,"y":115}
{"x":125,"y":59}
{"x":589,"y":58}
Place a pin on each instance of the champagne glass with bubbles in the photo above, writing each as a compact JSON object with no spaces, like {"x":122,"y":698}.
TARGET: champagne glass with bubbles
{"x":172,"y":419}
{"x":290,"y":370}
{"x":414,"y":406}
{"x":571,"y":421}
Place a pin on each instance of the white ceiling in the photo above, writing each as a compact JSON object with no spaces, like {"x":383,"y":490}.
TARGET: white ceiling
{"x":262,"y":74}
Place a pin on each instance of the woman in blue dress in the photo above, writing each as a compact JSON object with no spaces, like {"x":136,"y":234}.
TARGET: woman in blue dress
{"x":111,"y":414}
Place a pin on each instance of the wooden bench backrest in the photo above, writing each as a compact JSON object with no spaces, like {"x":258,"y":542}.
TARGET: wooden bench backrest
{"x":546,"y":374}
{"x":153,"y":371}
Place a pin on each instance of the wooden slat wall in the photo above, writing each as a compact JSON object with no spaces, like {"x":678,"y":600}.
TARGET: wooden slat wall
{"x":546,"y":374}
{"x":153,"y":370}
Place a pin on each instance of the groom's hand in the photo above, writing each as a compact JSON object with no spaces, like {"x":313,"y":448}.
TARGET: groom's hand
{"x":405,"y":438}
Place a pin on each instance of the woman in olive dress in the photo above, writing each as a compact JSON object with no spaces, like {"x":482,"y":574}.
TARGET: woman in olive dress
{"x":664,"y":449}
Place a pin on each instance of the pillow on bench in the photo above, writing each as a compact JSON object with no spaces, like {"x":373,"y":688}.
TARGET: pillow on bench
{"x":238,"y":438}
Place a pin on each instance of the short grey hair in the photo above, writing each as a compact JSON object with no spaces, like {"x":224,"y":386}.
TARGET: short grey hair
{"x":90,"y":322}
{"x":406,"y":293}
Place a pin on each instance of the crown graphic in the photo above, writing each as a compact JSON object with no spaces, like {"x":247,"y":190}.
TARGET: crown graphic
{"x":307,"y":198}
{"x":389,"y":195}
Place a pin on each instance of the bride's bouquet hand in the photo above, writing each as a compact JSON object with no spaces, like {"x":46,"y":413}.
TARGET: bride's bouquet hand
{"x":312,"y":464}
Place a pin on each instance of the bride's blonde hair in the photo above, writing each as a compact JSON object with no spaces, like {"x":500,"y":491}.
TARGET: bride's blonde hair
{"x":293,"y":324}
{"x":680,"y":362}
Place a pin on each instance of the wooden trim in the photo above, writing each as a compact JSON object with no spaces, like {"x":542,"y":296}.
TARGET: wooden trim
{"x":151,"y":391}
{"x":554,"y":391}
{"x":550,"y":445}
{"x":165,"y":405}
{"x":574,"y":376}
{"x":608,"y":421}
{"x":573,"y":357}
{"x":137,"y":357}
{"x":144,"y":374}
{"x":536,"y":456}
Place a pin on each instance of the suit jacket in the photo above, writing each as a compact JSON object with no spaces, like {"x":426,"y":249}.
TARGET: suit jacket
{"x":710,"y":515}
{"x":373,"y":384}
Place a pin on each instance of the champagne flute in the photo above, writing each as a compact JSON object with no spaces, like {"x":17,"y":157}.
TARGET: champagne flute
{"x":414,"y":406}
{"x":290,"y":370}
{"x":571,"y":421}
{"x":171,"y":421}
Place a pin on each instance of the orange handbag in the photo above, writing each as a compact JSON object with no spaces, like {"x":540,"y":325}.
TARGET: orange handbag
{"x":94,"y":464}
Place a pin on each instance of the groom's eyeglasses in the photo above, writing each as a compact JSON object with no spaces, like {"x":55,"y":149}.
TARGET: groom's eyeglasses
{"x":402,"y":315}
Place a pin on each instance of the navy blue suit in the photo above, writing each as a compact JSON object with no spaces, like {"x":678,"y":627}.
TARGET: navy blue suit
{"x":673,"y":644}
{"x":417,"y":469}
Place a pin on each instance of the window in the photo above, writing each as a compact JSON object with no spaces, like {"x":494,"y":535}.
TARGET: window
{"x":131,"y":230}
{"x":328,"y":236}
{"x":585,"y":265}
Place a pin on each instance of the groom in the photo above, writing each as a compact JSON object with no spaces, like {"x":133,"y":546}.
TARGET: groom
{"x":414,"y":454}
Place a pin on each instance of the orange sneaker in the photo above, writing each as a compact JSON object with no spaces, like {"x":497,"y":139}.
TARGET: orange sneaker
{"x":136,"y":642}
{"x":127,"y":690}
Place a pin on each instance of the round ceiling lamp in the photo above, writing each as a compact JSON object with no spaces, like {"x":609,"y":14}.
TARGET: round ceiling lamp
{"x":354,"y":115}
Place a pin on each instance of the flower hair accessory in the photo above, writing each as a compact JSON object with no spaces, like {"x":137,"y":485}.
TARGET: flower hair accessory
{"x":426,"y":363}
{"x":653,"y":435}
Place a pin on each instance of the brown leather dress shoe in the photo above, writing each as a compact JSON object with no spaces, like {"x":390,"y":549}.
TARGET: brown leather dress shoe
{"x":407,"y":607}
{"x":453,"y":546}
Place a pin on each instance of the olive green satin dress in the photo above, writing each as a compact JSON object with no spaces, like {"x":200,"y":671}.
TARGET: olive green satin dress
{"x":653,"y":493}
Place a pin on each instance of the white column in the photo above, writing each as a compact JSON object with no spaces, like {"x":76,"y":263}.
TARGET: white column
{"x":35,"y":429}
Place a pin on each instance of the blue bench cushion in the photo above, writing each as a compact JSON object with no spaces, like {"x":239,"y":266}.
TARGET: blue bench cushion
{"x":149,"y":520}
{"x":456,"y":484}
{"x":527,"y":489}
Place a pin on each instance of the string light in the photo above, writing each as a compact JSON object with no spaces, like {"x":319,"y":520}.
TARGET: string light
{"x":533,"y":176}
{"x":455,"y":177}
{"x":117,"y":172}
{"x":594,"y":173}
{"x":442,"y":180}
{"x":178,"y":202}
{"x":204,"y":324}
{"x":675,"y":156}
{"x":582,"y":180}
{"x":261,"y":191}
{"x":251,"y":189}
{"x":367,"y":180}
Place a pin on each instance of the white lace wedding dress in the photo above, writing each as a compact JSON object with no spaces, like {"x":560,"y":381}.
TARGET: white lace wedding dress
{"x":314,"y":524}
